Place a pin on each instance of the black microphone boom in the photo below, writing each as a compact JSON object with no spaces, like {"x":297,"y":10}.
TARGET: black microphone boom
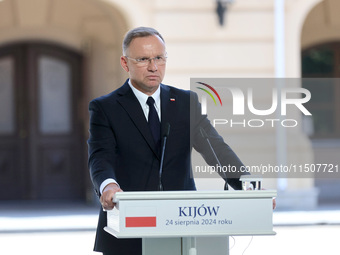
{"x":205,"y":136}
{"x":165,"y":137}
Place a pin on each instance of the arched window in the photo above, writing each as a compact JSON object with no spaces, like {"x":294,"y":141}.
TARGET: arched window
{"x":323,"y":61}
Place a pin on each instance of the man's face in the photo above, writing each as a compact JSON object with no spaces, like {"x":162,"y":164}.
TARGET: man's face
{"x":145,"y":78}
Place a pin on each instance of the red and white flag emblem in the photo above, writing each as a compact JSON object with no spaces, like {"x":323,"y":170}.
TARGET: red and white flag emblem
{"x":140,"y":217}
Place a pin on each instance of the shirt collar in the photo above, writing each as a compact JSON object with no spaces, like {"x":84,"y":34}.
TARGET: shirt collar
{"x":142,"y":98}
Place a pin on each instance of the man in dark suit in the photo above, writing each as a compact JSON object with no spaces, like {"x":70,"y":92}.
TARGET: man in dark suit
{"x":125,"y":149}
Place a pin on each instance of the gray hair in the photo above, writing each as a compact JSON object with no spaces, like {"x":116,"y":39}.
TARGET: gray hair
{"x":139,"y":32}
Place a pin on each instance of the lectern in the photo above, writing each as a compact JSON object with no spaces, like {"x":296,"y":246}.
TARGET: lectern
{"x":189,"y":222}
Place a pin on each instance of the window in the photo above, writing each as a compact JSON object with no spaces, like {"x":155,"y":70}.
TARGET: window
{"x":323,"y":61}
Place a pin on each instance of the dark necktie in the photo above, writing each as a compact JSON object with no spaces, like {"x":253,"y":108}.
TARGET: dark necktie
{"x":153,"y":122}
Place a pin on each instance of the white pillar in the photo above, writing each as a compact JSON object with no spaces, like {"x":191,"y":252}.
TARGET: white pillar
{"x":281,"y":136}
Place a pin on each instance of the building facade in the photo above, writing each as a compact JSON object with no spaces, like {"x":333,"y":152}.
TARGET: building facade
{"x":77,"y":43}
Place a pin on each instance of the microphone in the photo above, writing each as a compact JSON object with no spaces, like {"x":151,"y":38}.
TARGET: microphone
{"x":205,"y":136}
{"x":165,"y":137}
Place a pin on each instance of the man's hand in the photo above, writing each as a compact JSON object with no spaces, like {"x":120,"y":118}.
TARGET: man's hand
{"x":108,"y":193}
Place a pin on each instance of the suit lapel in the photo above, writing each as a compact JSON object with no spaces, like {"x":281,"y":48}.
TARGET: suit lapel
{"x":168,"y":108}
{"x":133,"y":108}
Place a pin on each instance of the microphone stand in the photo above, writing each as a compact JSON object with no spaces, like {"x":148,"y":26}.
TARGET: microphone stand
{"x":165,"y":137}
{"x":205,"y":135}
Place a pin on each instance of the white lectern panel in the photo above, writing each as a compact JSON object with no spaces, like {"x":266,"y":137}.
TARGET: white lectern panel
{"x":191,"y":213}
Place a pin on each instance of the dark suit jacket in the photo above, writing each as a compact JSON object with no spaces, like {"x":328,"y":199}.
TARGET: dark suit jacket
{"x":121,"y":147}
